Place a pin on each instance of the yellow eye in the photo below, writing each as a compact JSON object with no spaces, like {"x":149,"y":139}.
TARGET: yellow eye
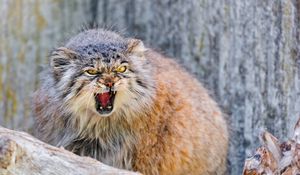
{"x":91,"y":71}
{"x":121,"y":69}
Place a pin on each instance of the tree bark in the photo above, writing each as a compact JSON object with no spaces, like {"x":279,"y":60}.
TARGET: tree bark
{"x":275,"y":157}
{"x":22,"y":154}
{"x":29,"y":29}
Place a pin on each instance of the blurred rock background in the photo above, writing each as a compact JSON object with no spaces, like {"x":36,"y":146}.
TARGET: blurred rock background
{"x":246,"y":52}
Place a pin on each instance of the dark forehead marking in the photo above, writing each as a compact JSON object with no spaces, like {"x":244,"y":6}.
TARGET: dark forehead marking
{"x":105,"y":49}
{"x":85,"y":62}
{"x":106,"y":60}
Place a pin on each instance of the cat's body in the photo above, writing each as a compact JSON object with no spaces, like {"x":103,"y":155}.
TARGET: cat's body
{"x":162,"y":122}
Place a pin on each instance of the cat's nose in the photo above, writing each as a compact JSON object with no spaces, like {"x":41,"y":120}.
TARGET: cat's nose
{"x":106,"y":82}
{"x":109,"y":84}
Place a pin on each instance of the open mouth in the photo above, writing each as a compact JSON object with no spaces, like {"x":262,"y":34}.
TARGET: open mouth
{"x":105,"y":101}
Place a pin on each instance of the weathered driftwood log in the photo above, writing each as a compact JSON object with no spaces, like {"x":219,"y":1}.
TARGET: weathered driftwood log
{"x":274,"y":157}
{"x":22,"y":154}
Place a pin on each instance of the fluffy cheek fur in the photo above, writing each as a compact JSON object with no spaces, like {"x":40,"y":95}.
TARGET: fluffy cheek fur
{"x":83,"y":103}
{"x":122,"y":88}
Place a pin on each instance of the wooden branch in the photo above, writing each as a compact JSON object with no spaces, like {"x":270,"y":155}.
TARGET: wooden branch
{"x":274,"y":157}
{"x":22,"y":154}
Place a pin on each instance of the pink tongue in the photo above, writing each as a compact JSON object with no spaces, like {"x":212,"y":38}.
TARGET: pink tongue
{"x":103,"y":98}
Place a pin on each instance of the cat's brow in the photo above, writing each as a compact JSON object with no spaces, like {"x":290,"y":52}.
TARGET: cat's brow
{"x":106,"y":60}
{"x":89,"y":65}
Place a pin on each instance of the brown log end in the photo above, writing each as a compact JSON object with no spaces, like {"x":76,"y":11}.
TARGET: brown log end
{"x":10,"y":152}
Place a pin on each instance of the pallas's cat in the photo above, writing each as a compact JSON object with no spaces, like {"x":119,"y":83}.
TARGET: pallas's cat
{"x":113,"y":99}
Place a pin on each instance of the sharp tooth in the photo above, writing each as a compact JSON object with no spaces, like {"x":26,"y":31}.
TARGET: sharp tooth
{"x":108,"y":107}
{"x":101,"y":107}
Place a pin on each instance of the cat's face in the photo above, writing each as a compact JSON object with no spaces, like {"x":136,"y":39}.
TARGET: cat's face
{"x":101,"y":79}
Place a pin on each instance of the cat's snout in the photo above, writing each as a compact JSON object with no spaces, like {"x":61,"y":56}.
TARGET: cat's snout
{"x":109,"y":84}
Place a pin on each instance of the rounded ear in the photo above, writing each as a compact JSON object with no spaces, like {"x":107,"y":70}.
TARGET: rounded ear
{"x":60,"y":59}
{"x":135,"y":47}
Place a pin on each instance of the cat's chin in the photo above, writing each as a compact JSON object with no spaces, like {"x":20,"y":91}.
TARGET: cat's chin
{"x":105,"y":115}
